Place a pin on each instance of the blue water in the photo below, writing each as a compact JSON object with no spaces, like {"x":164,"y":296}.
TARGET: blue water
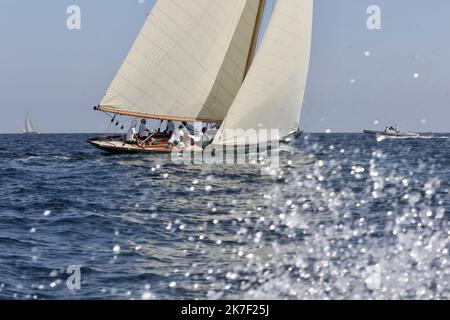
{"x":345,"y":217}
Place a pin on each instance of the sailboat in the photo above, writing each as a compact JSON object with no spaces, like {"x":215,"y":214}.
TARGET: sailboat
{"x":29,"y":127}
{"x":197,"y":61}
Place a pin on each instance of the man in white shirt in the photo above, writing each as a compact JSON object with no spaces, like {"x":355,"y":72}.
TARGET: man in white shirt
{"x":178,"y":137}
{"x":143,"y":131}
{"x":132,"y":133}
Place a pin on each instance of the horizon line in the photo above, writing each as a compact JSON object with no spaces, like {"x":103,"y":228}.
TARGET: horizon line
{"x":304,"y":132}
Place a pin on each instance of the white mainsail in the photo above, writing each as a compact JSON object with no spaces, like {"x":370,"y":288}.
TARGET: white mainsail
{"x":188,"y":62}
{"x":29,"y":127}
{"x":272,"y":94}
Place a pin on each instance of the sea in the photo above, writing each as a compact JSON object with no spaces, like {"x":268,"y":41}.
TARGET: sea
{"x":345,"y":216}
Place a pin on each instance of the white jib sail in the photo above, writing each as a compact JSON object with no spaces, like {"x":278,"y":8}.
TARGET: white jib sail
{"x":188,"y":61}
{"x":272,"y":94}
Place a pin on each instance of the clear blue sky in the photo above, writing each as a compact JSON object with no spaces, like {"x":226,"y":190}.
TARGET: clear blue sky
{"x":57,"y":75}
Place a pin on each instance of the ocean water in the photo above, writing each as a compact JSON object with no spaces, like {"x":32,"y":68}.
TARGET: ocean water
{"x":345,"y":217}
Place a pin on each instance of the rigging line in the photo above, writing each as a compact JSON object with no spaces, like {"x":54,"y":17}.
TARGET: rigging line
{"x":113,"y":123}
{"x":107,"y":130}
{"x":105,"y":113}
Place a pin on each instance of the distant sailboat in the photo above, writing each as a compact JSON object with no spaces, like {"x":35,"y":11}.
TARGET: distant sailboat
{"x":195,"y":61}
{"x":29,"y":127}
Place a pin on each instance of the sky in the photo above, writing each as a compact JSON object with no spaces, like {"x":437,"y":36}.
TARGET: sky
{"x":358,"y":79}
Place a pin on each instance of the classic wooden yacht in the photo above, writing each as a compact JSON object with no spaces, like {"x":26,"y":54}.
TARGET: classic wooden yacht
{"x":198,"y":62}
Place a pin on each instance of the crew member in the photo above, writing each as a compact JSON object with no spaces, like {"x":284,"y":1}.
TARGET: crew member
{"x":132,"y":133}
{"x":143,"y":131}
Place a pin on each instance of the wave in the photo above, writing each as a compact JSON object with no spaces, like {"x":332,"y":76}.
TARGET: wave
{"x":434,"y":137}
{"x":379,"y":235}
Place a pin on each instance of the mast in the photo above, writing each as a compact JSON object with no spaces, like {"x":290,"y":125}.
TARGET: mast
{"x":256,"y":31}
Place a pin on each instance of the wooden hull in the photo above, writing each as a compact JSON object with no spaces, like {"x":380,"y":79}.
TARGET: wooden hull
{"x":120,"y":147}
{"x":116,"y":145}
